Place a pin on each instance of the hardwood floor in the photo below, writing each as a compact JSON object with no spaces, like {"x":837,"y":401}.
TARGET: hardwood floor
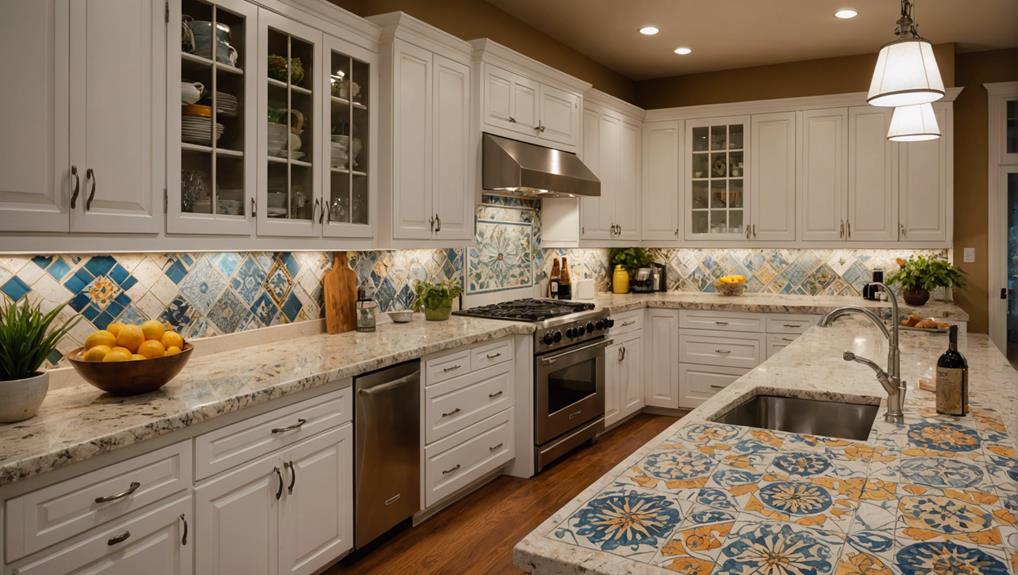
{"x":476,"y":535}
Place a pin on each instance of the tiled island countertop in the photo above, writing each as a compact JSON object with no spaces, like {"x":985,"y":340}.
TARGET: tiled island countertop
{"x":937,"y":494}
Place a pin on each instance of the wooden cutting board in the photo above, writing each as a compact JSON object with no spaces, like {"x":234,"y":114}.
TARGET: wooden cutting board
{"x":339,"y":290}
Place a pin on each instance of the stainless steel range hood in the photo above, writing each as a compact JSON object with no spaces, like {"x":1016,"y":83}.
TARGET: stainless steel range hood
{"x":520,"y":169}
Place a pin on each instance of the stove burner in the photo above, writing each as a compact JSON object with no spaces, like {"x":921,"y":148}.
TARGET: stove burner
{"x":531,"y":310}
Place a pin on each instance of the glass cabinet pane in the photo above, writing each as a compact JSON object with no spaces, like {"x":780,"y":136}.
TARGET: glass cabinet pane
{"x":291,"y":127}
{"x":1012,"y":127}
{"x":700,"y":139}
{"x":347,"y":201}
{"x":717,"y":179}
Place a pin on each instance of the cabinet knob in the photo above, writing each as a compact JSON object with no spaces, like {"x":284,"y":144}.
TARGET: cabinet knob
{"x":512,"y":120}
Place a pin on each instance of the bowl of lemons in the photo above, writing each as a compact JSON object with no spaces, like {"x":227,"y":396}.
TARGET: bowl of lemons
{"x":128,"y":359}
{"x":732,"y":285}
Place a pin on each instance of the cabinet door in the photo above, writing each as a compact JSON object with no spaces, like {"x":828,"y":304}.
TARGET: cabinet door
{"x":613,"y":383}
{"x":595,"y":217}
{"x":237,"y":516}
{"x":632,"y":399}
{"x":822,"y":165}
{"x":316,"y":523}
{"x":498,"y":89}
{"x":662,"y":166}
{"x":626,"y":197}
{"x":773,"y":176}
{"x":118,"y":75}
{"x":525,"y":105}
{"x":717,"y":201}
{"x":289,"y":110}
{"x":872,"y":176}
{"x":926,"y":184}
{"x":661,"y":385}
{"x":36,"y":179}
{"x":412,"y":145}
{"x":454,"y":166}
{"x":560,"y":115}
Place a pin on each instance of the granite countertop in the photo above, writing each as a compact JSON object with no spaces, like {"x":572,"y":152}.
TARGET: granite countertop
{"x":766,"y":303}
{"x":80,"y":421}
{"x":938,"y":494}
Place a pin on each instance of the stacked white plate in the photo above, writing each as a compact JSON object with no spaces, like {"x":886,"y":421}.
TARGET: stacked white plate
{"x":198,"y":130}
{"x":227,"y":105}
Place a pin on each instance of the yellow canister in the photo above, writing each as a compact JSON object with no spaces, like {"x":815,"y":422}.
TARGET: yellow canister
{"x":620,"y":280}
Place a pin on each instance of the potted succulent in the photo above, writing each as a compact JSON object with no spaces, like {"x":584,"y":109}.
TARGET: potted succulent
{"x":436,"y":298}
{"x":625,"y":262}
{"x":920,"y":274}
{"x":27,"y":337}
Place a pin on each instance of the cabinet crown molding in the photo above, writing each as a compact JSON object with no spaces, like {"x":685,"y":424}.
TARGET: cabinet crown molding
{"x":405,"y":27}
{"x":488,"y":50}
{"x":330,"y":19}
{"x":604,"y":100}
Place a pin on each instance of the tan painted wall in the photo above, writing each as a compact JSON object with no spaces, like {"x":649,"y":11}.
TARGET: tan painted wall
{"x":470,"y":19}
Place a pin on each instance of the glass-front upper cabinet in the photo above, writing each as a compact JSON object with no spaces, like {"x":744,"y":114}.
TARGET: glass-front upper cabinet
{"x":349,"y":185}
{"x":289,"y":175}
{"x":1011,"y":135}
{"x":211,"y":135}
{"x":716,"y":200}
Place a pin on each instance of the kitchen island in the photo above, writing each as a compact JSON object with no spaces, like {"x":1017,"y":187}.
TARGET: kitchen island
{"x":936,"y":494}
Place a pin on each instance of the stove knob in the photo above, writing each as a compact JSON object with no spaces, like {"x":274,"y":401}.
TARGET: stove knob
{"x":601,"y":324}
{"x":609,"y":322}
{"x":549,"y":338}
{"x":571,"y":332}
{"x":558,"y":336}
{"x":590,"y":327}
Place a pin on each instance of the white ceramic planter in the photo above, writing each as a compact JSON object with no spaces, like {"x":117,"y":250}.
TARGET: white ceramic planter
{"x":20,"y":398}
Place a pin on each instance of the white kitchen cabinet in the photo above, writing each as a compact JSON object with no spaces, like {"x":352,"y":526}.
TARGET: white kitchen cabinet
{"x":627,"y":197}
{"x":633,"y":362}
{"x":701,"y":382}
{"x":717,"y":198}
{"x":872,"y":177}
{"x":511,"y":101}
{"x":559,"y":115}
{"x":412,"y":146}
{"x":926,"y":187}
{"x":662,"y":174}
{"x":595,"y":215}
{"x":612,"y":150}
{"x":526,"y":103}
{"x":613,"y":384}
{"x":772,"y":216}
{"x":453,"y":194}
{"x":661,"y":380}
{"x":823,"y":174}
{"x":623,"y":378}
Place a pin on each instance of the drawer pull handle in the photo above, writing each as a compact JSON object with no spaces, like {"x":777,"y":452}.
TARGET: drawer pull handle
{"x":452,"y":368}
{"x":494,"y":355}
{"x":293,"y":476}
{"x":575,"y":414}
{"x":628,"y":323}
{"x":713,"y":386}
{"x":788,"y":339}
{"x":125,"y":493}
{"x":496,"y":447}
{"x":494,"y":395}
{"x":791,"y":325}
{"x":451,"y":470}
{"x":183,"y":538}
{"x":393,"y":499}
{"x":451,"y":413}
{"x":300,"y":423}
{"x":118,"y":538}
{"x":721,"y":323}
{"x":279,"y":476}
{"x":723,"y":351}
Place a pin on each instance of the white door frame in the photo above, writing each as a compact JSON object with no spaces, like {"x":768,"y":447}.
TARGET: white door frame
{"x":1000,"y":163}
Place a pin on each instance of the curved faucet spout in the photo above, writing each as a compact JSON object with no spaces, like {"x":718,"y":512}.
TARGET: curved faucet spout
{"x":843,"y":311}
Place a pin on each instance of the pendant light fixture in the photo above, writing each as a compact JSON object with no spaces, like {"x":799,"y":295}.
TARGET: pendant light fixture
{"x":916,"y":123}
{"x":906,"y":73}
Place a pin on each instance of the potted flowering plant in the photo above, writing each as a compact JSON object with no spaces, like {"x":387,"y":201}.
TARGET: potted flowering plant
{"x":920,"y":274}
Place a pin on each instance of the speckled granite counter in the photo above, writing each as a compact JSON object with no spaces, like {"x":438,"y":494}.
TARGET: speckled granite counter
{"x":764,"y":303}
{"x":935,"y":495}
{"x":79,"y":422}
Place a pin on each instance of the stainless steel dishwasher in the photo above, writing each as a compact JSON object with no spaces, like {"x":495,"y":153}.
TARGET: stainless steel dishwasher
{"x":387,"y":449}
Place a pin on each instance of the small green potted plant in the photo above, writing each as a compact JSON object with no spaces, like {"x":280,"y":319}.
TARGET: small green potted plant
{"x":436,"y":298}
{"x":625,"y":262}
{"x":27,"y":337}
{"x":920,"y":274}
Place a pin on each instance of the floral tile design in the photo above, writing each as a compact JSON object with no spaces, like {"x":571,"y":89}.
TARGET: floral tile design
{"x":675,"y":471}
{"x":758,"y":548}
{"x":503,"y":258}
{"x":695,"y":545}
{"x":948,"y":557}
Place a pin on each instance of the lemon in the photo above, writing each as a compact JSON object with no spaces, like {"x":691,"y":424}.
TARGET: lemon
{"x":152,"y":329}
{"x":151,"y":348}
{"x":172,"y":350}
{"x":100,"y":337}
{"x":131,"y":337}
{"x":117,"y":355}
{"x":122,"y":350}
{"x":137,"y":357}
{"x":114,"y":328}
{"x":96,"y":353}
{"x":172,"y":339}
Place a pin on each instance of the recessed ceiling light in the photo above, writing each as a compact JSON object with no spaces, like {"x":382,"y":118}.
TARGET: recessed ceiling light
{"x":846,"y":14}
{"x":682,"y":50}
{"x":649,"y":30}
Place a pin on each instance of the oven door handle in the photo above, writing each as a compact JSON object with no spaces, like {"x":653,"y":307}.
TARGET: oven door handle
{"x":553,"y":358}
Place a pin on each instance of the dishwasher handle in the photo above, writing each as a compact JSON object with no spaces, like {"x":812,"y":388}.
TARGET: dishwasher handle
{"x":391,"y":385}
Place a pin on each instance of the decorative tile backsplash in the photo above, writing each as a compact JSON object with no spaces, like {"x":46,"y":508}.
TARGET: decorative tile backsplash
{"x":508,"y":253}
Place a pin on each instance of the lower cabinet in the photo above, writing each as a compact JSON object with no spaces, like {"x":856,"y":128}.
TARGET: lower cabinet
{"x":623,"y":393}
{"x":661,"y":383}
{"x":700,"y":382}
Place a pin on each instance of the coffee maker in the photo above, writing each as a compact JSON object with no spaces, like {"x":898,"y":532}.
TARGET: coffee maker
{"x":649,"y":279}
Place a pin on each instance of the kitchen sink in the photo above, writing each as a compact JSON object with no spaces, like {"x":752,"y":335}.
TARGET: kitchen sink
{"x":811,"y":416}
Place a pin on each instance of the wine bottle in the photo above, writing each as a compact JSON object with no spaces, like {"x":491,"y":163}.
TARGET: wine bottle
{"x":553,"y":282}
{"x":952,"y":378}
{"x":565,"y":286}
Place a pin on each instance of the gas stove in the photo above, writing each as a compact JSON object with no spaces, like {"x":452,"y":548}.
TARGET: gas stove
{"x":560,"y":323}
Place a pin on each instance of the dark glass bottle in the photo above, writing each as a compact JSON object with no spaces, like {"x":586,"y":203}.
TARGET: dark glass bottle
{"x":554,"y":281}
{"x":565,"y":286}
{"x":952,"y":378}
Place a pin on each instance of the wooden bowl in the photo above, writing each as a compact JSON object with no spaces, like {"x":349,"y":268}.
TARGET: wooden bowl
{"x":131,"y":377}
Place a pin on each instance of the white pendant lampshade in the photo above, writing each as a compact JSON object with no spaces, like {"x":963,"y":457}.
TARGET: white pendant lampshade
{"x":915,"y":123}
{"x":906,"y":74}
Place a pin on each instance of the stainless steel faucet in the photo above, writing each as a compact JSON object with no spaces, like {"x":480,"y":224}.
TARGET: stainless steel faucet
{"x":890,"y":379}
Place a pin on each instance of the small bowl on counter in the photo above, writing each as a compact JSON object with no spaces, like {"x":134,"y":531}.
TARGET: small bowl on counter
{"x":401,"y":316}
{"x":131,"y":377}
{"x":731,"y":286}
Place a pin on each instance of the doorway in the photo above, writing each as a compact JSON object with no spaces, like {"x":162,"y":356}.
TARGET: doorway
{"x":1003,"y":216}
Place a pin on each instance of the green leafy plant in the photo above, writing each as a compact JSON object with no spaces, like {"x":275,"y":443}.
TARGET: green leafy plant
{"x":27,"y":337}
{"x":629,"y":258}
{"x":926,"y":273}
{"x":432,"y":296}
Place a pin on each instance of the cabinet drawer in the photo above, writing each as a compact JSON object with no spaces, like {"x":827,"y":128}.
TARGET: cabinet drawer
{"x":627,"y":322}
{"x":458,"y":403}
{"x":51,"y":514}
{"x":719,"y":321}
{"x":716,"y":348}
{"x":153,"y":545}
{"x":700,"y":382}
{"x":780,"y":323}
{"x":778,"y":342}
{"x":461,"y":458}
{"x":446,"y":366}
{"x":219,"y":450}
{"x":489,"y":354}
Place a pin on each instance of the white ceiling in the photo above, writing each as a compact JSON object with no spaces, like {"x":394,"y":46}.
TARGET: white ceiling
{"x":727,"y":34}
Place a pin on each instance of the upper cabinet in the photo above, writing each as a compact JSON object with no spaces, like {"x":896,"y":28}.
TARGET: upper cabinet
{"x":926,"y":185}
{"x":662,"y":175}
{"x":716,"y":192}
{"x":611,"y":148}
{"x":430,"y":162}
{"x":772,"y":214}
{"x":872,"y":213}
{"x":823,"y":174}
